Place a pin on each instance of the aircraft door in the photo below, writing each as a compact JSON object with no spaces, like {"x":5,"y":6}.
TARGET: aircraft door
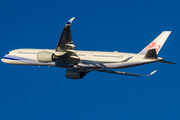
{"x":90,"y":56}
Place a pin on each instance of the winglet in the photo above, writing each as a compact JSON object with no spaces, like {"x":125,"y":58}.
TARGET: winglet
{"x":152,"y":73}
{"x":70,"y":21}
{"x":124,"y":73}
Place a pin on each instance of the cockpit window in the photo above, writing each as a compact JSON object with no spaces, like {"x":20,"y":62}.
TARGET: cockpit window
{"x":8,"y":53}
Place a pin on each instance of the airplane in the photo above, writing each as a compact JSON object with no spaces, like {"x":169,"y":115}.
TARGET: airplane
{"x":78,"y":63}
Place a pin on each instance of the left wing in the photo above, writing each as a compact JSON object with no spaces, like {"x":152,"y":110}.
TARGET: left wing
{"x":65,"y":44}
{"x":124,"y":73}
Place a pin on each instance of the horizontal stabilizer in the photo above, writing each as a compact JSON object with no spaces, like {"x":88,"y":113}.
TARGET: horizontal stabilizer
{"x":162,"y":61}
{"x":151,"y":54}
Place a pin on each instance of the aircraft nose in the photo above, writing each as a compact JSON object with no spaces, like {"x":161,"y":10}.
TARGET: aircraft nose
{"x":3,"y":59}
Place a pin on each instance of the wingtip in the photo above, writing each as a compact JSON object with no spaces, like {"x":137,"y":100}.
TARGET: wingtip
{"x":70,"y":21}
{"x":152,"y":72}
{"x":167,"y":32}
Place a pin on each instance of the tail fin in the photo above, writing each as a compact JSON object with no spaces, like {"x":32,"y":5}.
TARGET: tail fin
{"x":156,"y":43}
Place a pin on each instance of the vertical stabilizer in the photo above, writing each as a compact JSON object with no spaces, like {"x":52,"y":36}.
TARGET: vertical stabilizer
{"x":157,"y":43}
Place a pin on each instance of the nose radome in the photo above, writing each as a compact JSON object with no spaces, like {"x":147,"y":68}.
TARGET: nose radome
{"x":3,"y":60}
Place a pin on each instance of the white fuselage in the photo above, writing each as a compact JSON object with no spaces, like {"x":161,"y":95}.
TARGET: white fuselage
{"x":90,"y":59}
{"x":78,"y":63}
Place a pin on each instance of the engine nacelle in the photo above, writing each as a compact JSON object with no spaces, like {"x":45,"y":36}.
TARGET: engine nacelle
{"x":73,"y":74}
{"x":45,"y":56}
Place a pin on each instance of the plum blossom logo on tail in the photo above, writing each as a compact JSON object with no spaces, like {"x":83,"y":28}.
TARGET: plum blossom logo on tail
{"x":153,"y":45}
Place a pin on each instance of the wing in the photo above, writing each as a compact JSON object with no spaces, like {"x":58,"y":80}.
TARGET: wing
{"x":66,"y":45}
{"x":65,"y":41}
{"x":124,"y":73}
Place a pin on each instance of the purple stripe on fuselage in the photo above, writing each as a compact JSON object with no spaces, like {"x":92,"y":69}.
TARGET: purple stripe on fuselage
{"x":10,"y":57}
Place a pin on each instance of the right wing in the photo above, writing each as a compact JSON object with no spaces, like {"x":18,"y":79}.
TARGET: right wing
{"x":65,"y":42}
{"x":124,"y":73}
{"x":66,"y":45}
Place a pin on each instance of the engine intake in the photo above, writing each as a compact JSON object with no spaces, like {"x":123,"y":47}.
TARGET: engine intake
{"x":73,"y":74}
{"x":45,"y":56}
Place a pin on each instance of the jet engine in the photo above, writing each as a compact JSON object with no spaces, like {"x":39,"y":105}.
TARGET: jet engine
{"x":73,"y":74}
{"x":45,"y":56}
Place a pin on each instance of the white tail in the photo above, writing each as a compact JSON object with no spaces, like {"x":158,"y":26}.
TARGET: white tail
{"x":157,"y":43}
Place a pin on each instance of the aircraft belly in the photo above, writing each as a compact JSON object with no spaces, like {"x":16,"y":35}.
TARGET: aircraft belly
{"x":125,"y":65}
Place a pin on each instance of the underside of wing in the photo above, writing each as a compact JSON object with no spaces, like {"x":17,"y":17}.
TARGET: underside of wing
{"x":66,"y":45}
{"x":65,"y":41}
